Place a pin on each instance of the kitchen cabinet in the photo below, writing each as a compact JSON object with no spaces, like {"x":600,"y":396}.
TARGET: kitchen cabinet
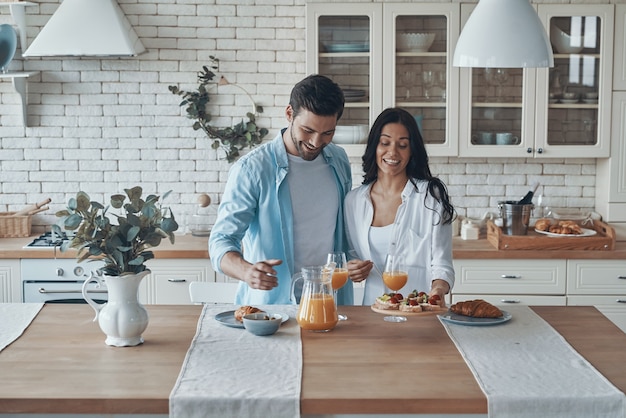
{"x":557,"y":112}
{"x":168,"y":282}
{"x":366,"y":48}
{"x":471,"y":112}
{"x":611,"y":172}
{"x":526,"y":282}
{"x":594,"y":282}
{"x":10,"y":281}
{"x":601,"y":283}
{"x":619,"y":70}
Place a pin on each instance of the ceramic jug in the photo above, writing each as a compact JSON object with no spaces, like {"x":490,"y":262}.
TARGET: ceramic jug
{"x":123,"y":319}
{"x":317,"y":310}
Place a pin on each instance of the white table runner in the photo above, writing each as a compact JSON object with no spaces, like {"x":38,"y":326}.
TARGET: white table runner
{"x":527,"y":370}
{"x":14,"y":319}
{"x":229,"y":372}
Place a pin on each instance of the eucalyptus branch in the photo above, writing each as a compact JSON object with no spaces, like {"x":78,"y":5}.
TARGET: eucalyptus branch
{"x":230,"y":139}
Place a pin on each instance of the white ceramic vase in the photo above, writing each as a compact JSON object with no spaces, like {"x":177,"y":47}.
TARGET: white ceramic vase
{"x":122,"y":318}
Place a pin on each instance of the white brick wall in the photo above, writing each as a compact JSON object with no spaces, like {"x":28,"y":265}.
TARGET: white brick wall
{"x":101,"y":125}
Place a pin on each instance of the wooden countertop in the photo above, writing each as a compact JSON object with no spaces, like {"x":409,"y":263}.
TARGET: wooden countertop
{"x":185,"y":246}
{"x":188,"y":246}
{"x":61,"y":364}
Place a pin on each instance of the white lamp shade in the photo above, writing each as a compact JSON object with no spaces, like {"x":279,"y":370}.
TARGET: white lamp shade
{"x":503,"y":34}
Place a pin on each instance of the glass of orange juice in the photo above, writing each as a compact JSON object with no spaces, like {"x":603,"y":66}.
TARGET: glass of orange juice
{"x":395,"y":276}
{"x":340,"y":274}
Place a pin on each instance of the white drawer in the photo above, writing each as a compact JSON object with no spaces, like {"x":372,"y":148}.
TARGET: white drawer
{"x":531,"y":277}
{"x":596,"y":277}
{"x":613,"y":300}
{"x":504,"y":300}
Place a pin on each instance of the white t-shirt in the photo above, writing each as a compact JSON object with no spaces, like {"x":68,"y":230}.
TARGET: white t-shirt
{"x":315,"y":203}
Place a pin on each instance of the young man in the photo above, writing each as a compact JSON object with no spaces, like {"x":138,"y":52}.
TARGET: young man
{"x":282,"y":208}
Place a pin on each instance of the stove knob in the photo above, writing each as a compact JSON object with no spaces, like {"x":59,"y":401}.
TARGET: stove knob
{"x":78,"y":271}
{"x":60,"y":271}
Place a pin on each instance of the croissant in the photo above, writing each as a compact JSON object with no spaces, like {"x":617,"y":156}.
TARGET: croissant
{"x":245,"y":310}
{"x":477,"y":308}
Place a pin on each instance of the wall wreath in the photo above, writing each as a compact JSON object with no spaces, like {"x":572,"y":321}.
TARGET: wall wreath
{"x":230,"y":139}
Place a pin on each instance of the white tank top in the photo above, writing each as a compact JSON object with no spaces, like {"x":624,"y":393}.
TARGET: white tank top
{"x":379,"y":238}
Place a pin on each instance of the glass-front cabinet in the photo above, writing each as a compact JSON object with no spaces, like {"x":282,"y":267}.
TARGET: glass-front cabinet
{"x":560,"y":112}
{"x":574,"y":106}
{"x":388,"y":55}
{"x":399,"y":54}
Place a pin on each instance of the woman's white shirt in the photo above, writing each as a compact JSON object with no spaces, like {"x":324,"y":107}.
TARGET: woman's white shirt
{"x":417,"y":235}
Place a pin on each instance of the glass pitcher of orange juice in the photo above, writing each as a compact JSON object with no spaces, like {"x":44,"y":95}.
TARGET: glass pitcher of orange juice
{"x":317,"y":310}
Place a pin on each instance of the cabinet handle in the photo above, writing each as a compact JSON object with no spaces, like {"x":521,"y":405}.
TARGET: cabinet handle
{"x":621,"y":277}
{"x":176,"y":280}
{"x":621,"y":301}
{"x":510,"y":276}
{"x":539,"y":150}
{"x":529,"y":150}
{"x":510,"y":301}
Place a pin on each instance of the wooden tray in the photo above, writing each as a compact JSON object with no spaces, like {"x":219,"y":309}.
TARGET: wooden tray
{"x":396,"y":312}
{"x":604,"y":240}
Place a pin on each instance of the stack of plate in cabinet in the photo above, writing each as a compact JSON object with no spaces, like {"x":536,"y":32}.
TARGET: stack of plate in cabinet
{"x":353,"y":95}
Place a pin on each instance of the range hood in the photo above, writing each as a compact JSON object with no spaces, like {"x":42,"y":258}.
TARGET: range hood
{"x":87,"y":28}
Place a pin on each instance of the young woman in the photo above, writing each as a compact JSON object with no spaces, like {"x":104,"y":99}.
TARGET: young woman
{"x":400,"y":209}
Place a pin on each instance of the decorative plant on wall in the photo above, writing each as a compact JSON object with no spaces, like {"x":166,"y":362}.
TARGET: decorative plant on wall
{"x":230,"y":139}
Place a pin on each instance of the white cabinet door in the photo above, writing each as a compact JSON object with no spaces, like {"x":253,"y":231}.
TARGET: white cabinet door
{"x":596,"y":277}
{"x":504,"y":300}
{"x":10,"y":281}
{"x":578,"y":126}
{"x":168,"y":282}
{"x":510,"y":277}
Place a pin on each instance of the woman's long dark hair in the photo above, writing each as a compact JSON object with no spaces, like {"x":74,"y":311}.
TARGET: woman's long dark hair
{"x":417,"y":168}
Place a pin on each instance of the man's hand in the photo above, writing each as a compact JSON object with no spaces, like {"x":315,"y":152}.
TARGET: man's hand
{"x":262,"y":275}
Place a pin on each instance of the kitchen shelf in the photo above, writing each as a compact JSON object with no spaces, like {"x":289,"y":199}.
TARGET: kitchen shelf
{"x":21,"y":87}
{"x":18,"y":13}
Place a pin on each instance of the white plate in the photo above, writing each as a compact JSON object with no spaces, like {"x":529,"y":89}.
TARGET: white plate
{"x":586,"y":233}
{"x":569,"y":101}
{"x":228,"y":318}
{"x":468,"y":320}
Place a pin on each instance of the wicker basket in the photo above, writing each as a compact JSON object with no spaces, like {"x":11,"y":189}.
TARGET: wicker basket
{"x":14,"y":226}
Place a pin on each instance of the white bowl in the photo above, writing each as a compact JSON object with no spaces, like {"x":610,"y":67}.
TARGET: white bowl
{"x":564,"y":43}
{"x":351,"y":134}
{"x":418,"y":42}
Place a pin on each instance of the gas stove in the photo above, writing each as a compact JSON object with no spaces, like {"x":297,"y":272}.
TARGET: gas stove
{"x":48,"y":240}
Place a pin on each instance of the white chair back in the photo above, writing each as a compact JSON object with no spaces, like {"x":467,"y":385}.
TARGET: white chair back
{"x":212,"y":292}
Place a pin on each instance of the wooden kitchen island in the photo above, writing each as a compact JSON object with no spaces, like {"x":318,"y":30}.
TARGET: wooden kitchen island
{"x":61,"y":364}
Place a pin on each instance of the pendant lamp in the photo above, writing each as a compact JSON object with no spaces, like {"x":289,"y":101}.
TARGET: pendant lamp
{"x":503,"y":34}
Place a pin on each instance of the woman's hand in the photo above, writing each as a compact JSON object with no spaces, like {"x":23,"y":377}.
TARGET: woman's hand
{"x":438,"y":290}
{"x":358,"y":270}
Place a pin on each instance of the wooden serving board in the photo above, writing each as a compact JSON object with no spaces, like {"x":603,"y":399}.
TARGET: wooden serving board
{"x":395,"y":312}
{"x":603,"y":240}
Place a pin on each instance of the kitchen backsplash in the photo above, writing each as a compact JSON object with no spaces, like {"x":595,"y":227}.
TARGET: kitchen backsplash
{"x":101,"y":125}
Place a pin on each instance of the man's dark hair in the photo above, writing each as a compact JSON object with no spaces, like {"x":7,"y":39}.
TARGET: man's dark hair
{"x":317,"y":94}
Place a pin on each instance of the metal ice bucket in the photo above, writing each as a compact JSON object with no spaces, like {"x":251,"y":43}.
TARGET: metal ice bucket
{"x":515,"y":217}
